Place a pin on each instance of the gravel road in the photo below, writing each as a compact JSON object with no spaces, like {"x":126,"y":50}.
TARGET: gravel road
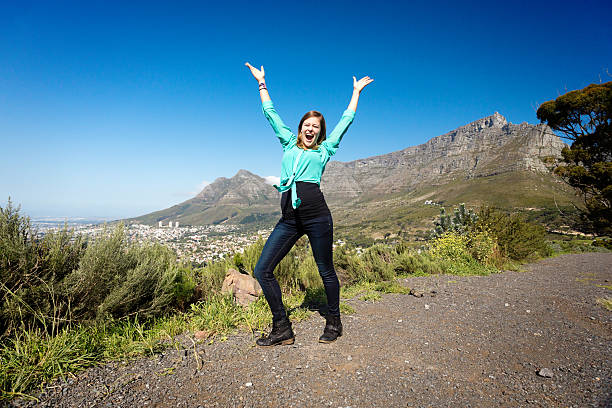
{"x":474,"y":342}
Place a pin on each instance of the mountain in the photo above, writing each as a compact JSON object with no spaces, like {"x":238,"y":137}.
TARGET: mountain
{"x":485,"y":147}
{"x":487,"y":161}
{"x":244,"y":198}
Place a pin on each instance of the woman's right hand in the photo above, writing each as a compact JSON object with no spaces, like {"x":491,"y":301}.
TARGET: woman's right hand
{"x":258,"y":74}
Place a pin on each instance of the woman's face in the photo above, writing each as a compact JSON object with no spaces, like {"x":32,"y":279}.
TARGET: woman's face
{"x":311,"y":128}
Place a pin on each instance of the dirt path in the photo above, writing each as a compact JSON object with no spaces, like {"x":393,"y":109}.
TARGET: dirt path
{"x":478,"y":342}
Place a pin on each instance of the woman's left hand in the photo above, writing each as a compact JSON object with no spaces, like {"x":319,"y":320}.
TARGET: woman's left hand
{"x":362,"y":83}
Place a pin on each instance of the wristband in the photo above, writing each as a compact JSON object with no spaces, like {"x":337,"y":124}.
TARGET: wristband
{"x":262,"y":85}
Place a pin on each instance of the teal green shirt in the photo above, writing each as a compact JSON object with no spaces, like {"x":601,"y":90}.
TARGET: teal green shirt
{"x":310,"y":163}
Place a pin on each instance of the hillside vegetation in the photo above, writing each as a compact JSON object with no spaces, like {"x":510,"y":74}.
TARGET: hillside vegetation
{"x":69,"y":303}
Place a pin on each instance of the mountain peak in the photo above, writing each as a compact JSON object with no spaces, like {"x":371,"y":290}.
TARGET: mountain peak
{"x":492,"y":121}
{"x":244,"y":173}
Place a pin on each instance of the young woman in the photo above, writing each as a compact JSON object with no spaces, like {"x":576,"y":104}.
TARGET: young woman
{"x":304,"y":210}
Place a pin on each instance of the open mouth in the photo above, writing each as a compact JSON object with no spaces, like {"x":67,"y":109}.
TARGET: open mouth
{"x":309,"y":137}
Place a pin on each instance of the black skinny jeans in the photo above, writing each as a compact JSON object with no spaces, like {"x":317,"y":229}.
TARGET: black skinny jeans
{"x":286,"y":233}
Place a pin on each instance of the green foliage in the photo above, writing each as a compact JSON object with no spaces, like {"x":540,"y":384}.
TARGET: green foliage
{"x":565,"y":246}
{"x":606,"y":303}
{"x":61,"y":280}
{"x":346,"y":309}
{"x":459,"y":222}
{"x":604,"y":243}
{"x":517,"y":239}
{"x":371,"y":296}
{"x":417,"y":264}
{"x":585,"y":117}
{"x":454,"y":254}
{"x":391,"y":287}
{"x":31,"y":270}
{"x":348,"y":264}
{"x":103,"y":267}
{"x":377,"y":264}
{"x":115,"y":280}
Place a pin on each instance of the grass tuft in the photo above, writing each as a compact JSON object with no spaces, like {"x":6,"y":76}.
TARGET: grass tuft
{"x":605,"y":302}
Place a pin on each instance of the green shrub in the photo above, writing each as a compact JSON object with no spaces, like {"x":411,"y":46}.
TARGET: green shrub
{"x":377,"y":264}
{"x":603,"y":242}
{"x":308,"y":274}
{"x":210,"y":278}
{"x":348,"y":264}
{"x":151,"y":287}
{"x":517,"y":239}
{"x":415,"y":263}
{"x":454,"y":254}
{"x":460,"y":222}
{"x":31,"y":270}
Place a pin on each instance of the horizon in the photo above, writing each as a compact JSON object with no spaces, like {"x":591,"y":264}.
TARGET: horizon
{"x":114,"y":111}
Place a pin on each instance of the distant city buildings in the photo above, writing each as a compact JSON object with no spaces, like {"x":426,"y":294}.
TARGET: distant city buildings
{"x":197,"y":245}
{"x":160,"y":224}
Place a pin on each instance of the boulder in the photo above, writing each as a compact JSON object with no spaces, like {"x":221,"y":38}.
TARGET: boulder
{"x":243,"y":287}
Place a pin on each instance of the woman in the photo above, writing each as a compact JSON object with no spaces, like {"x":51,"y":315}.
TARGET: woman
{"x":304,"y":210}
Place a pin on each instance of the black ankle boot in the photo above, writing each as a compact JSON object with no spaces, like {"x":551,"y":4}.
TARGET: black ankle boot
{"x":281,"y":334}
{"x":333,"y":329}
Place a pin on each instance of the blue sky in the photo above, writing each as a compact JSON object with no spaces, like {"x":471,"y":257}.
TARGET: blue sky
{"x":117,"y":109}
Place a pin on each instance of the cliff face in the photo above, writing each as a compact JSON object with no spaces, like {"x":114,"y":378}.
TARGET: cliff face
{"x":485,"y":147}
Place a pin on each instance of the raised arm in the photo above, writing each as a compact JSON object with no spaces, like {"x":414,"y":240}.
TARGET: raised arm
{"x":284,"y":134}
{"x":334,"y":138}
{"x":260,"y":76}
{"x":357,"y":88}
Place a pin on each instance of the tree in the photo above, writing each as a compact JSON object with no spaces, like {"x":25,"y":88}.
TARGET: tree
{"x":584,"y":116}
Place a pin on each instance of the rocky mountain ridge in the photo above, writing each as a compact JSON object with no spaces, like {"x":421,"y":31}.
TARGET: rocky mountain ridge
{"x":486,"y":147}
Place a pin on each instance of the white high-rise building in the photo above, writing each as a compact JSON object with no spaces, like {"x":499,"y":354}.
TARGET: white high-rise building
{"x":170,"y":224}
{"x":160,"y":224}
{"x":176,"y":224}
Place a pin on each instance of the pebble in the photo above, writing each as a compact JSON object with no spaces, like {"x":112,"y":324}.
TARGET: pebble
{"x":545,"y":372}
{"x":249,"y":384}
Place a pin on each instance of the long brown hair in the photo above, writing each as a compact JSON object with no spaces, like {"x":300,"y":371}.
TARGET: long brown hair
{"x":322,"y":134}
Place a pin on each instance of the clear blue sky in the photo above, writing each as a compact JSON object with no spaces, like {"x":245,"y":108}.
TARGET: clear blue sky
{"x":116,"y":110}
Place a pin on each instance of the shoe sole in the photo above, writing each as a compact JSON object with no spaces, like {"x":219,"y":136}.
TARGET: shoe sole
{"x":280,"y":343}
{"x":327,"y":342}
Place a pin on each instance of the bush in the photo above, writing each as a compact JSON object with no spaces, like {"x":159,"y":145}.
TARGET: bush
{"x":415,"y":263}
{"x":348,"y":264}
{"x":454,"y":253}
{"x":31,"y":270}
{"x":517,"y":239}
{"x":460,"y":222}
{"x":155,"y":284}
{"x":103,"y":268}
{"x":61,"y":279}
{"x":377,"y":264}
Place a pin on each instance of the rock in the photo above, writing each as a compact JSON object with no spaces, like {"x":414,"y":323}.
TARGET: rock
{"x":545,"y":372}
{"x":416,"y":293}
{"x":244,"y":287}
{"x":201,"y":334}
